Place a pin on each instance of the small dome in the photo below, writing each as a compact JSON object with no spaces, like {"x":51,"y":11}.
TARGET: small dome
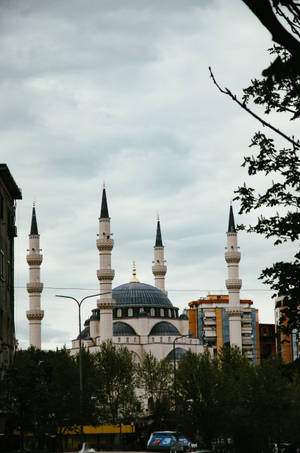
{"x":183,"y":316}
{"x":96,"y":315}
{"x":85,"y":334}
{"x":122,"y":329}
{"x":164,"y":328}
{"x":179,"y":353}
{"x":140,"y":295}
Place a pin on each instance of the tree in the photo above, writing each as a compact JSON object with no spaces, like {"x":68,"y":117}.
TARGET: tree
{"x":268,"y":12}
{"x":116,"y":378}
{"x":40,"y":393}
{"x":155,"y":380}
{"x":277,"y":91}
{"x":198,"y":397}
{"x":273,"y":397}
{"x":236,"y":374}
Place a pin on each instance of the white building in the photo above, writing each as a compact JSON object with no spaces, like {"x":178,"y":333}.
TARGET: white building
{"x":136,"y":315}
{"x":141,"y":316}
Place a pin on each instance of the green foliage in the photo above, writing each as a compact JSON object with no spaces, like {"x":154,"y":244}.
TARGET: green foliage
{"x":277,"y":93}
{"x":235,"y":404}
{"x":155,"y":378}
{"x":116,"y":379}
{"x":281,"y":96}
{"x":198,"y":397}
{"x":218,"y":399}
{"x":39,"y":392}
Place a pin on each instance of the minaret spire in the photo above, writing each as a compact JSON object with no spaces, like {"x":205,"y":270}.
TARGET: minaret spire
{"x":34,"y":287}
{"x":105,"y":274}
{"x":231,"y":224}
{"x":104,"y":209}
{"x":158,"y":242}
{"x":159,"y":269}
{"x":34,"y":228}
{"x":233,"y":283}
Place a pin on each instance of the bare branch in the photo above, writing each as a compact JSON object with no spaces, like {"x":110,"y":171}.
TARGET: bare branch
{"x":243,"y":105}
{"x":289,"y":21}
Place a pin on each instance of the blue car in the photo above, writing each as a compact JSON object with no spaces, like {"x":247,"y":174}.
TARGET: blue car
{"x":164,"y":440}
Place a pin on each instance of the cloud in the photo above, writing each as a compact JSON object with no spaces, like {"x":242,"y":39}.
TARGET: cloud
{"x":120,"y":92}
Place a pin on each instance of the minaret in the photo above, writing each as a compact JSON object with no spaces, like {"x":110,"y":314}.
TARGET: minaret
{"x":105,"y":274}
{"x":159,"y":268}
{"x":34,"y":287}
{"x":233,"y":283}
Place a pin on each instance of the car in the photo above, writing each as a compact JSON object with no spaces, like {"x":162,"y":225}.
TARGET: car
{"x":168,"y":440}
{"x":86,"y":449}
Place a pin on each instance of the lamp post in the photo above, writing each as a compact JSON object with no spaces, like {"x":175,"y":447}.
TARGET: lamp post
{"x":175,"y":382}
{"x":79,"y":303}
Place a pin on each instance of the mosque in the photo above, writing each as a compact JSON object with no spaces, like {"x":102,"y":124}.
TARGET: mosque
{"x":136,"y":315}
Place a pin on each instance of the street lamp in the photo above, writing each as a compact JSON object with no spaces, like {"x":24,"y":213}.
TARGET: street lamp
{"x":175,"y":382}
{"x":79,"y":303}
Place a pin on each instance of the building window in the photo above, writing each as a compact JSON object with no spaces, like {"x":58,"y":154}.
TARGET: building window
{"x":152,"y":339}
{"x":130,"y":312}
{"x":119,"y":313}
{"x":134,"y":339}
{"x":152,"y":312}
{"x":127,"y":340}
{"x":162,"y":312}
{"x":119,"y":339}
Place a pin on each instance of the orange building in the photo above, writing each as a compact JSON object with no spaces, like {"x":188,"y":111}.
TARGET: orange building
{"x":208,"y":321}
{"x":287,"y":345}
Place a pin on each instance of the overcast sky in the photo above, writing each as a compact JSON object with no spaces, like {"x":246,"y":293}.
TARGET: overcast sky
{"x":119,"y":91}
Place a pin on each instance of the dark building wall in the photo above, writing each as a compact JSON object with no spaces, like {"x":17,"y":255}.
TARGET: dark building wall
{"x":9,"y":192}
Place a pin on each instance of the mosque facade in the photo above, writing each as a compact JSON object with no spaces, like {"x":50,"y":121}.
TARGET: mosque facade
{"x":135,"y":314}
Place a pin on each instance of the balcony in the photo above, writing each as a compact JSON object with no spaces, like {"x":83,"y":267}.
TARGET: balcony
{"x":209,"y":321}
{"x":247,"y":341}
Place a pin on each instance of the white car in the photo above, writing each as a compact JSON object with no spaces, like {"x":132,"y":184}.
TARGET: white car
{"x":86,"y":449}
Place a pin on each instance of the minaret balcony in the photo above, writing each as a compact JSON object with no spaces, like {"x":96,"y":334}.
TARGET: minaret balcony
{"x":232,"y":256}
{"x":234,"y":312}
{"x":34,"y":259}
{"x":233,"y":283}
{"x":105,"y":274}
{"x":108,"y":304}
{"x":159,"y":269}
{"x":34,"y":287}
{"x":105,"y":244}
{"x":35,"y":314}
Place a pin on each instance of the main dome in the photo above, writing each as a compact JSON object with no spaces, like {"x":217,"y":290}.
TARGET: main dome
{"x":141,"y":295}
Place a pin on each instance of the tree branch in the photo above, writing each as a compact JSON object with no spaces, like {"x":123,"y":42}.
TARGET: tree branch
{"x":243,"y":105}
{"x":264,"y":12}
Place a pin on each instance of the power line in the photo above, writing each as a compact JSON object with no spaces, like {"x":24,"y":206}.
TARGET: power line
{"x":172,"y":290}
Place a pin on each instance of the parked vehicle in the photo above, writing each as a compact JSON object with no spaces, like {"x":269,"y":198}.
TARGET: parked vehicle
{"x":165,"y":440}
